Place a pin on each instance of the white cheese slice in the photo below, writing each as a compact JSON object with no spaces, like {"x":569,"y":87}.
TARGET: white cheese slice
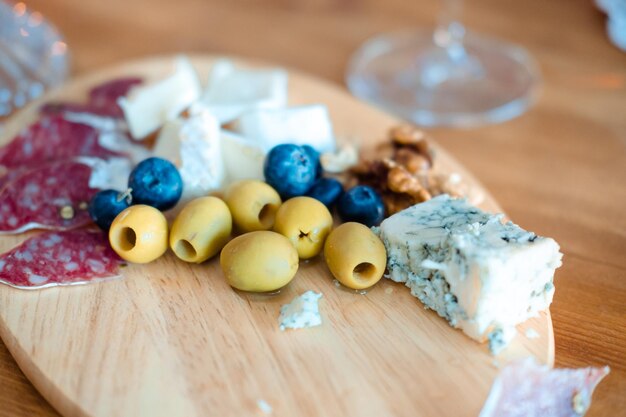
{"x":232,"y":91}
{"x":482,"y":275}
{"x":302,"y":125}
{"x":111,"y":173}
{"x":148,"y":107}
{"x":112,"y":135}
{"x":243,"y":159}
{"x":194,"y":146}
{"x":303,"y":311}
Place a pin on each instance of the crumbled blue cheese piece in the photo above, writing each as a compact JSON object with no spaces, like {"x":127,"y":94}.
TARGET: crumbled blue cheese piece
{"x":532,"y":333}
{"x":264,"y":407}
{"x":302,"y":312}
{"x":480,"y":274}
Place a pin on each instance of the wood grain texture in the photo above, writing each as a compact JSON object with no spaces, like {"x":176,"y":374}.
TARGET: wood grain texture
{"x":174,"y":339}
{"x":560,"y":169}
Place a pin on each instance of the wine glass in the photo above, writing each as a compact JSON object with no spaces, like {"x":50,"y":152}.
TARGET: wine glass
{"x":445,"y":78}
{"x":33,"y":56}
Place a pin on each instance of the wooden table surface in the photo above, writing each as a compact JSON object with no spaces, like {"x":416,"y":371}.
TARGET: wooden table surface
{"x":559,"y":170}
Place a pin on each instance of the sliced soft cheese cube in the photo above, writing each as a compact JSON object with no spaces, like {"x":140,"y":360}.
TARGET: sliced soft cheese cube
{"x":243,"y":159}
{"x":302,"y":125}
{"x":194,"y":146}
{"x":148,"y":107}
{"x":232,"y":91}
{"x":482,"y":275}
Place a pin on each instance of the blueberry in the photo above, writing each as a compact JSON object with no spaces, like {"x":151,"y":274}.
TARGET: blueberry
{"x":157,"y":183}
{"x":315,"y":156}
{"x":105,"y":205}
{"x":326,"y":190}
{"x":361,"y":204}
{"x":290,"y":170}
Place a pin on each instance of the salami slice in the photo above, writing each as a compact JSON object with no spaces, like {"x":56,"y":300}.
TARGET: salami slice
{"x":106,"y":94}
{"x":102,"y":99}
{"x":54,"y":196}
{"x":62,"y":107}
{"x":51,"y":139}
{"x":59,"y":258}
{"x":526,"y":389}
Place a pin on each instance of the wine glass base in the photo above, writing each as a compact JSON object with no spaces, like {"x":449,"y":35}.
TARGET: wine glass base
{"x":487,"y":81}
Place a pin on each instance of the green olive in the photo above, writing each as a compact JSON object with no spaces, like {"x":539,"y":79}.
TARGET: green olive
{"x":201,"y":229}
{"x":139,"y":234}
{"x":306,"y":222}
{"x":253,"y":205}
{"x":259,"y":261}
{"x":355,"y":255}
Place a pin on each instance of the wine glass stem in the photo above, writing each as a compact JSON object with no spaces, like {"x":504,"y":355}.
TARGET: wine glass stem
{"x":450,"y":31}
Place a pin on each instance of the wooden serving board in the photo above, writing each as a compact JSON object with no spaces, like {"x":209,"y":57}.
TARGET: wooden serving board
{"x":173,"y":339}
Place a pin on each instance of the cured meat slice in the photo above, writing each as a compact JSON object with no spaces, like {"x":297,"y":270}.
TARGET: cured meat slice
{"x":102,"y":99}
{"x":54,"y":196}
{"x":50,"y":139}
{"x":106,"y":94}
{"x":527,"y":389}
{"x":59,"y":258}
{"x":61,"y":108}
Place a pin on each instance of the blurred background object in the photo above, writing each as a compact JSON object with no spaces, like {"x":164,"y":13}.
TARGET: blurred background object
{"x":444,"y":78}
{"x":616,"y":22}
{"x":33,"y":56}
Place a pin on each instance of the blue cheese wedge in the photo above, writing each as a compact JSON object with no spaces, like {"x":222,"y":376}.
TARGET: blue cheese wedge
{"x":482,"y":275}
{"x":302,"y":312}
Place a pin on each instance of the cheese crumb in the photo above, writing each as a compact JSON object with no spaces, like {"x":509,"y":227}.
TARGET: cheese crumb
{"x":532,"y":333}
{"x":264,"y":407}
{"x":302,"y":312}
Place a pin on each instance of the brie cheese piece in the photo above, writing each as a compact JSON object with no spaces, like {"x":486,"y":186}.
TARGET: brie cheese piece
{"x":302,"y":312}
{"x":111,"y":173}
{"x":194,"y":146}
{"x":243,"y":159}
{"x":148,"y":107}
{"x":232,"y":91}
{"x":302,"y":125}
{"x":480,"y":274}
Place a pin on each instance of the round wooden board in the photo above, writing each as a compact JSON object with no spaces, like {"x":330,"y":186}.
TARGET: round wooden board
{"x":173,"y":339}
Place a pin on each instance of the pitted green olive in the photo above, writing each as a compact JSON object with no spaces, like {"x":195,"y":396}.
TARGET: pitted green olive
{"x":201,"y":229}
{"x":253,"y":205}
{"x":259,"y":261}
{"x":355,"y":255}
{"x":306,"y":222}
{"x":139,"y":234}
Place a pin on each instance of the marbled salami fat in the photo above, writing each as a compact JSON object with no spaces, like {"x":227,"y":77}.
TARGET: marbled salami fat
{"x":527,"y":389}
{"x":52,"y":138}
{"x":54,"y":196}
{"x":59,"y":258}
